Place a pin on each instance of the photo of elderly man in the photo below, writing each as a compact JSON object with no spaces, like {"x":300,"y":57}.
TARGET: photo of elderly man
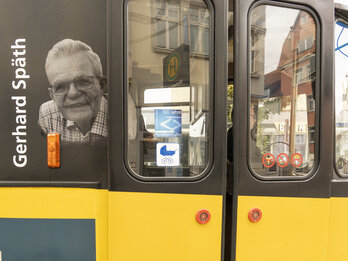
{"x":78,"y":110}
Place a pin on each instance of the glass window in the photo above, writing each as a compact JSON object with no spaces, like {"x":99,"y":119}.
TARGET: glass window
{"x":205,"y":41}
{"x":161,"y":34}
{"x":167,"y":14}
{"x":311,"y":103}
{"x":168,"y":88}
{"x":281,"y":98}
{"x":173,"y":35}
{"x":341,"y":91}
{"x":194,"y":38}
{"x":303,"y":19}
{"x":181,"y":22}
{"x":253,"y":63}
{"x":204,"y":16}
{"x":160,"y":7}
{"x":194,"y":14}
{"x":302,"y":74}
{"x":305,"y":44}
{"x":185,"y":28}
{"x":173,"y":9}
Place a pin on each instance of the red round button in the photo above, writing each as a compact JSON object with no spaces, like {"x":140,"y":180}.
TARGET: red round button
{"x":255,"y":215}
{"x":203,"y":216}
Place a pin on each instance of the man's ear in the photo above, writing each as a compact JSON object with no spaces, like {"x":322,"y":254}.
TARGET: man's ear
{"x":50,"y":93}
{"x":103,"y":82}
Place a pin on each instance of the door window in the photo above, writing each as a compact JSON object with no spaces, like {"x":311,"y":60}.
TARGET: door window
{"x":168,"y":88}
{"x":341,"y":99}
{"x":282,"y":91}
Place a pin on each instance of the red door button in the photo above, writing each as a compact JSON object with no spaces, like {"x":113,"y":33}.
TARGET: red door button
{"x":203,"y":216}
{"x":255,"y":215}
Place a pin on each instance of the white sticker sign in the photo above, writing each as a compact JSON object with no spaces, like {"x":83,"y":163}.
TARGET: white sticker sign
{"x":167,"y":154}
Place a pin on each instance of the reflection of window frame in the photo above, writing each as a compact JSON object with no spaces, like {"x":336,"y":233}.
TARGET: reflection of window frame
{"x":311,"y":103}
{"x":301,"y":145}
{"x":256,"y":55}
{"x":303,"y":18}
{"x":307,"y":42}
{"x":253,"y":64}
{"x":169,"y":22}
{"x":300,"y":139}
{"x":257,"y":20}
{"x":278,"y":145}
{"x":311,"y":134}
{"x":184,"y":26}
{"x":202,"y":25}
{"x":302,"y":74}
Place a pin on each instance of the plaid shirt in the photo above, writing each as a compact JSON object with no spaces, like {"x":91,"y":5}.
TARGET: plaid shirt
{"x":51,"y":120}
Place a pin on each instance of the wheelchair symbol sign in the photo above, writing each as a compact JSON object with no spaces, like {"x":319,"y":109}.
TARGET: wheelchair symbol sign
{"x":167,"y":154}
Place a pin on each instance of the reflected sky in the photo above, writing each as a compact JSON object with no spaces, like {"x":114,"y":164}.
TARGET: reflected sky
{"x":341,"y":66}
{"x":345,"y":2}
{"x":278,"y":24}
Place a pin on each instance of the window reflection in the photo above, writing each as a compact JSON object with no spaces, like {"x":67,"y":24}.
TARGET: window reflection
{"x":341,"y":90}
{"x":168,"y":87}
{"x":282,"y":91}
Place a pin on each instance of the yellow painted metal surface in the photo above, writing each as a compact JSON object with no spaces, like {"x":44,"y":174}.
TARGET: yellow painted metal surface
{"x":338,"y":250}
{"x":290,"y":229}
{"x":158,"y":227}
{"x":59,"y":203}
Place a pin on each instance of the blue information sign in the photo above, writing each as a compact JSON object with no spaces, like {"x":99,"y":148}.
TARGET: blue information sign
{"x":167,"y":123}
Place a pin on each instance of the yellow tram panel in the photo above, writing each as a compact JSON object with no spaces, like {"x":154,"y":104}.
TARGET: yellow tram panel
{"x":157,"y":227}
{"x":338,"y":250}
{"x":290,"y":229}
{"x":60,"y":203}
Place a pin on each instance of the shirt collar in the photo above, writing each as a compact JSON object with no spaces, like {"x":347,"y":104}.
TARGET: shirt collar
{"x":70,"y":124}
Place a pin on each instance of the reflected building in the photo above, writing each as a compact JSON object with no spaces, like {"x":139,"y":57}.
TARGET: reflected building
{"x":341,"y":98}
{"x":283,"y":98}
{"x":342,"y":125}
{"x":296,"y":70}
{"x":157,"y":29}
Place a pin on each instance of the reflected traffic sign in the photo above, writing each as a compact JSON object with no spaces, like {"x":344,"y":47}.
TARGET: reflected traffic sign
{"x":282,"y":160}
{"x":296,"y":160}
{"x":268,"y":160}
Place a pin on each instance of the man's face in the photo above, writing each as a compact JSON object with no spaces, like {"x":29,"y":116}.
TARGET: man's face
{"x":76,"y":105}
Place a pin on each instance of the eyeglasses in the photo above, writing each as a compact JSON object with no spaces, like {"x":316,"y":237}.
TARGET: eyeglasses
{"x":82,"y":83}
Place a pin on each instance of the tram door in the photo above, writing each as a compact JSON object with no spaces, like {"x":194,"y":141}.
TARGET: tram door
{"x":339,"y":180}
{"x":282,"y":128}
{"x":167,"y":149}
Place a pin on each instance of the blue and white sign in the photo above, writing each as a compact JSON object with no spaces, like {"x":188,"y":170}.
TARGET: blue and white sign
{"x":167,"y":154}
{"x":167,"y":123}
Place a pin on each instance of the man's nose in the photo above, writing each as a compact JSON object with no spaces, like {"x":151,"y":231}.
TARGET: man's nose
{"x":73,"y":91}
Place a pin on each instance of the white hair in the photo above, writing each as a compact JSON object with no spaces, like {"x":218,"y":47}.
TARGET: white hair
{"x":69,"y":47}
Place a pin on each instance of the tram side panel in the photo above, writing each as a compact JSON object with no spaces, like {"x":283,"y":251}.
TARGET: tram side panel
{"x":157,"y":226}
{"x":41,"y":218}
{"x":172,"y":98}
{"x":338,"y":200}
{"x":278,"y":116}
{"x":54,"y":224}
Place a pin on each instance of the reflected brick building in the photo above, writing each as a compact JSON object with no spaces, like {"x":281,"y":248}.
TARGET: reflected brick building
{"x":296,"y":73}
